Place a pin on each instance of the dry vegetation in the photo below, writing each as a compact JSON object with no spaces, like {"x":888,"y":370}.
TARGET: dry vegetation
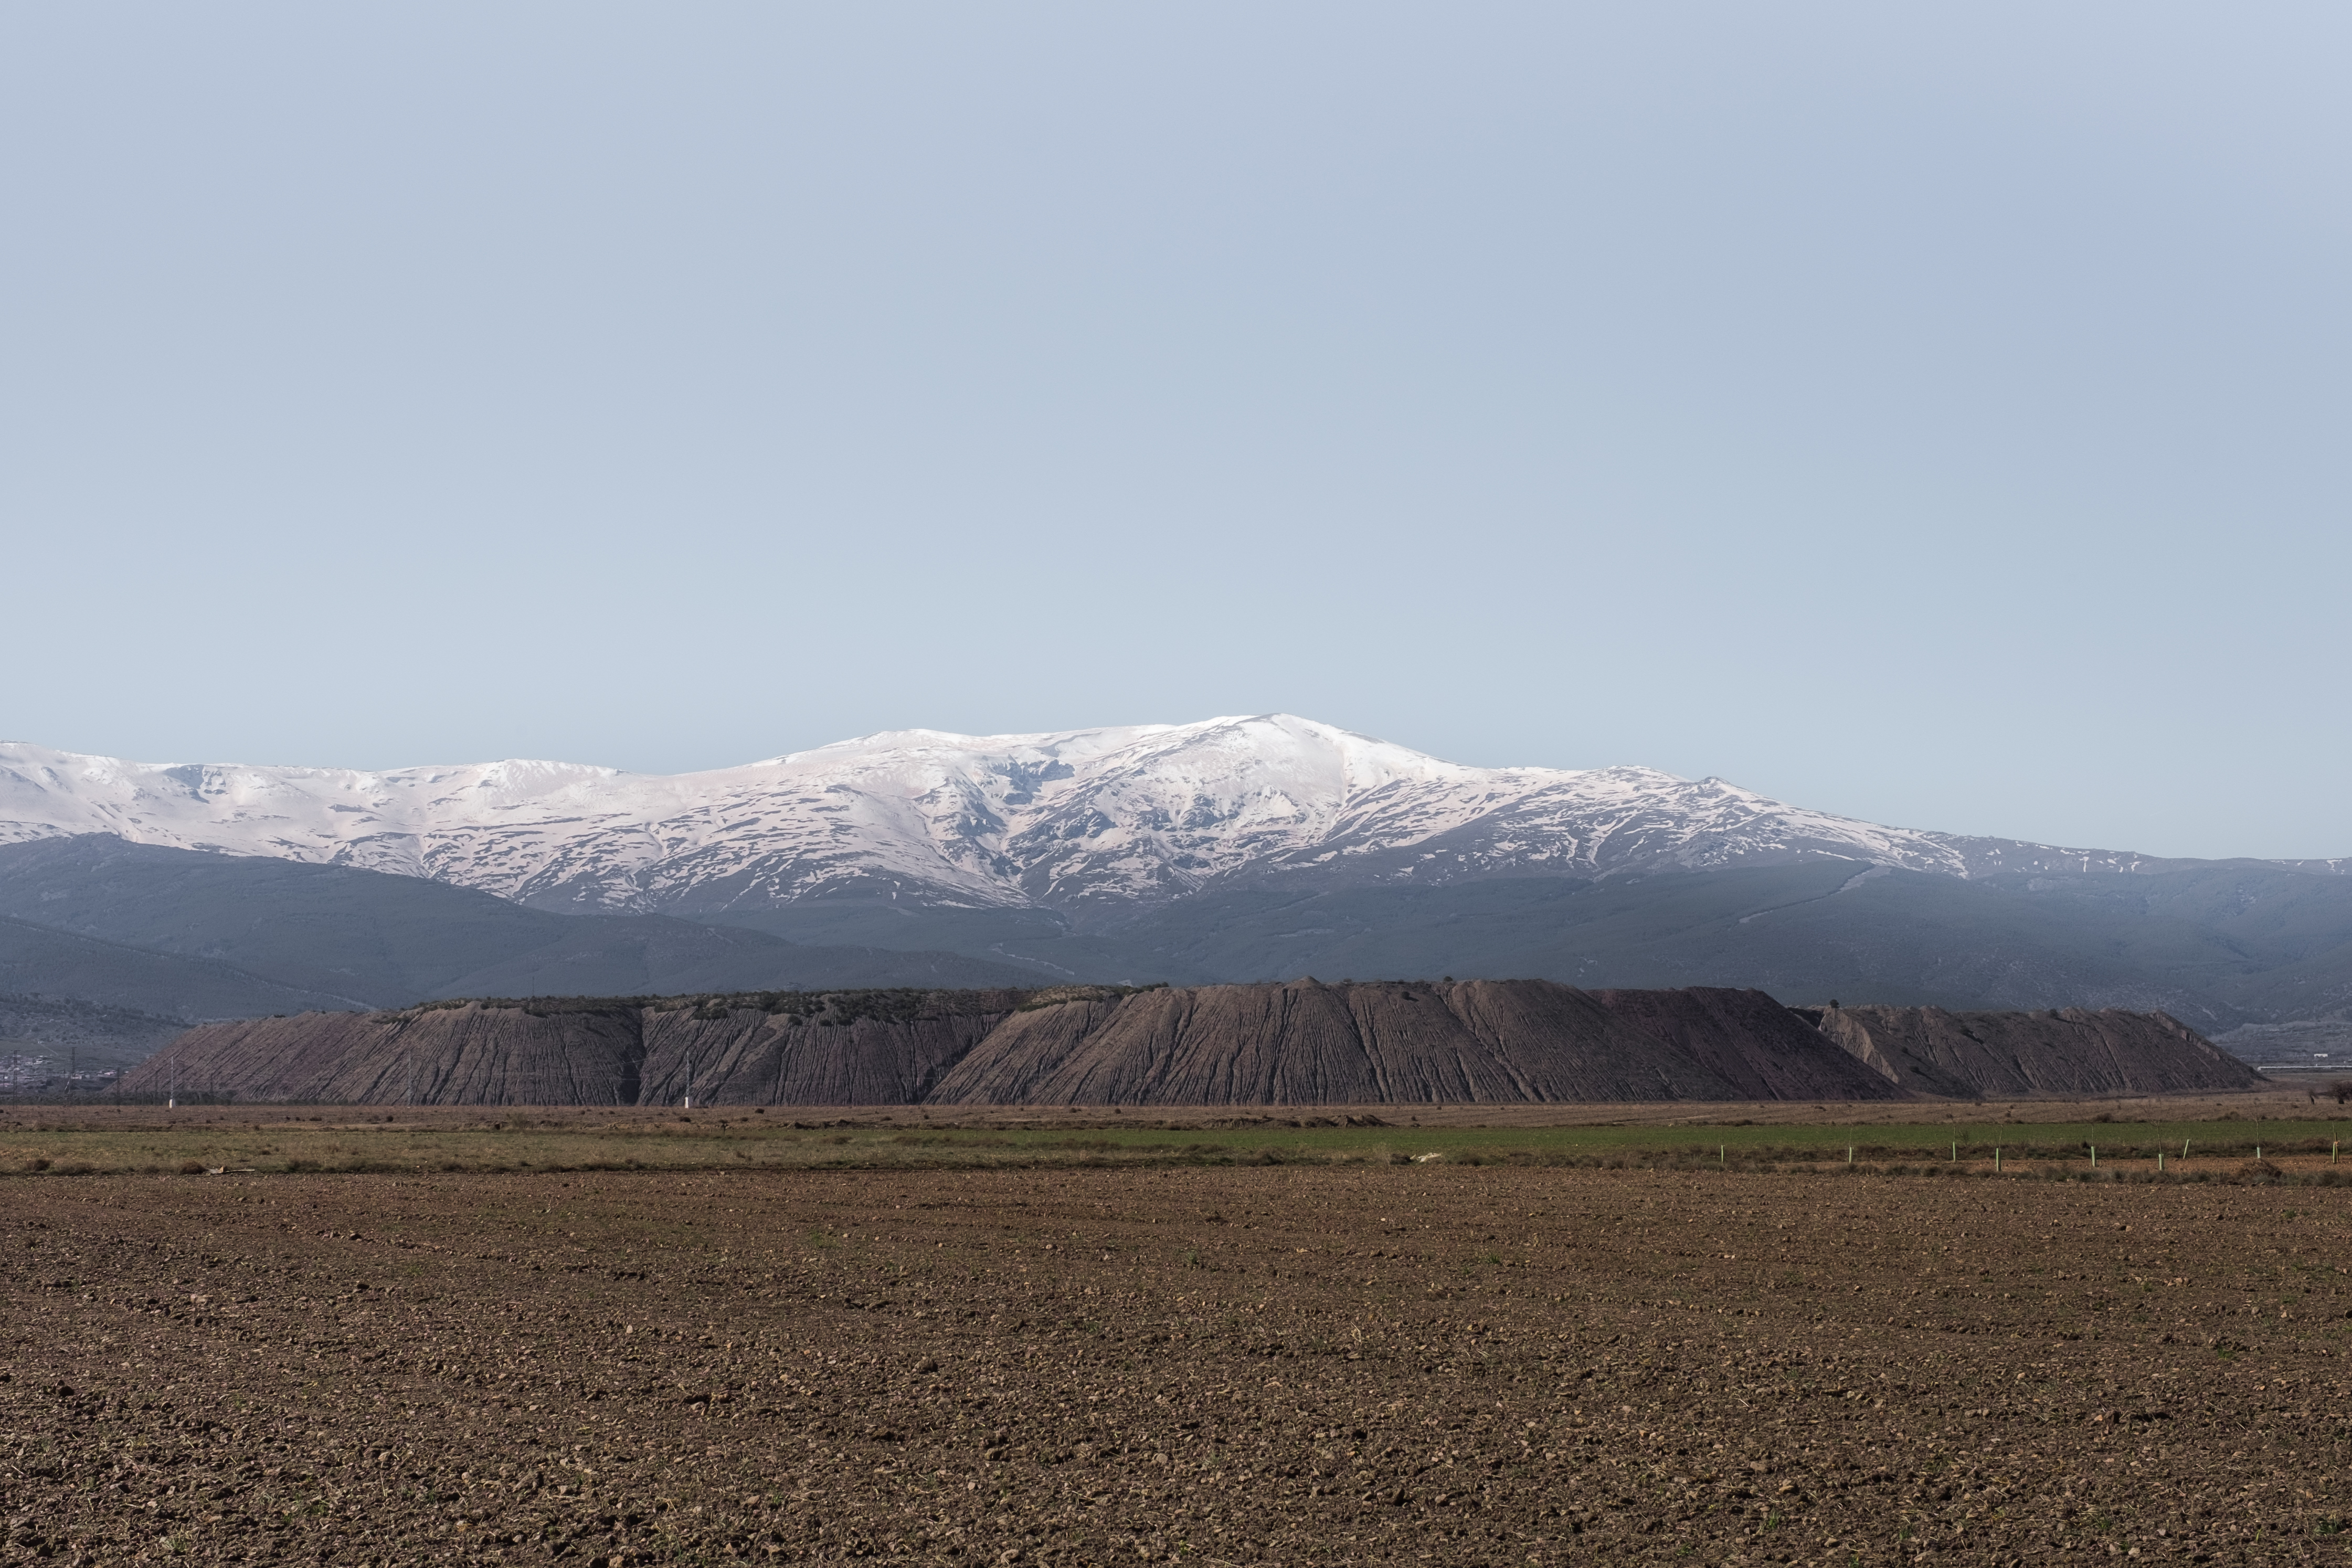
{"x":1294,"y":1364}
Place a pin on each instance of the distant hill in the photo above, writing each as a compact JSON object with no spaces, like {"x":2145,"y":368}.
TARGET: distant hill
{"x":62,"y":966}
{"x":2215,"y":944}
{"x":192,"y":935}
{"x":1297,"y":1043}
{"x":51,"y":1039}
{"x":1233,"y":849}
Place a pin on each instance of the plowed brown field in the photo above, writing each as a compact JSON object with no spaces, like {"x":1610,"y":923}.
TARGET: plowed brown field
{"x":1277,"y":1364}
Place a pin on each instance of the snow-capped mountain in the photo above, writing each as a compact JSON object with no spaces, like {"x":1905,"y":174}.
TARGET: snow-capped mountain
{"x":1084,"y":818}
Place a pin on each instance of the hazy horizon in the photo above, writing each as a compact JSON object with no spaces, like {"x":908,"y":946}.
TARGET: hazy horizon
{"x":1931,"y":418}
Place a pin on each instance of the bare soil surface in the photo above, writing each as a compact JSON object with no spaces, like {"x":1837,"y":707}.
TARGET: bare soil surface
{"x":1389,"y":1042}
{"x":1264,"y":1364}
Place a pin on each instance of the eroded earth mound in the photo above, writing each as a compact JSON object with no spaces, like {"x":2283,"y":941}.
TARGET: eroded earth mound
{"x":1996,"y":1054}
{"x":788,"y":1048}
{"x":1297,"y":1043}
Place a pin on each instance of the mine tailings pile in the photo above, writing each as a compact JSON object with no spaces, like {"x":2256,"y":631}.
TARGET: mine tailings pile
{"x":1297,"y":1043}
{"x":2068,"y":1052}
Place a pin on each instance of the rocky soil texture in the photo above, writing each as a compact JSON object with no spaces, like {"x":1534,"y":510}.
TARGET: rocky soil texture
{"x":2065,"y":1051}
{"x":1378,"y":1363}
{"x":1303,"y":1042}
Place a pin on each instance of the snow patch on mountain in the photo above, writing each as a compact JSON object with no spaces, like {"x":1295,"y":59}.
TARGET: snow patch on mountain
{"x":1123,"y":815}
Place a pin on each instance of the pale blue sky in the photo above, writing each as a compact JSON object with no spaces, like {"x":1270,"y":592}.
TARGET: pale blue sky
{"x":1937,"y":415}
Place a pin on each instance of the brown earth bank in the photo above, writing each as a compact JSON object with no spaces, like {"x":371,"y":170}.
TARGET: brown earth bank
{"x":1304,"y":1042}
{"x":1291,"y":1365}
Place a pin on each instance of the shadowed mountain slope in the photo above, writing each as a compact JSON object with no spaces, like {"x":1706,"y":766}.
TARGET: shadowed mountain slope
{"x":376,"y":940}
{"x":2214,"y":946}
{"x":208,"y":936}
{"x":36,"y":960}
{"x":51,"y":1039}
{"x":644,"y":955}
